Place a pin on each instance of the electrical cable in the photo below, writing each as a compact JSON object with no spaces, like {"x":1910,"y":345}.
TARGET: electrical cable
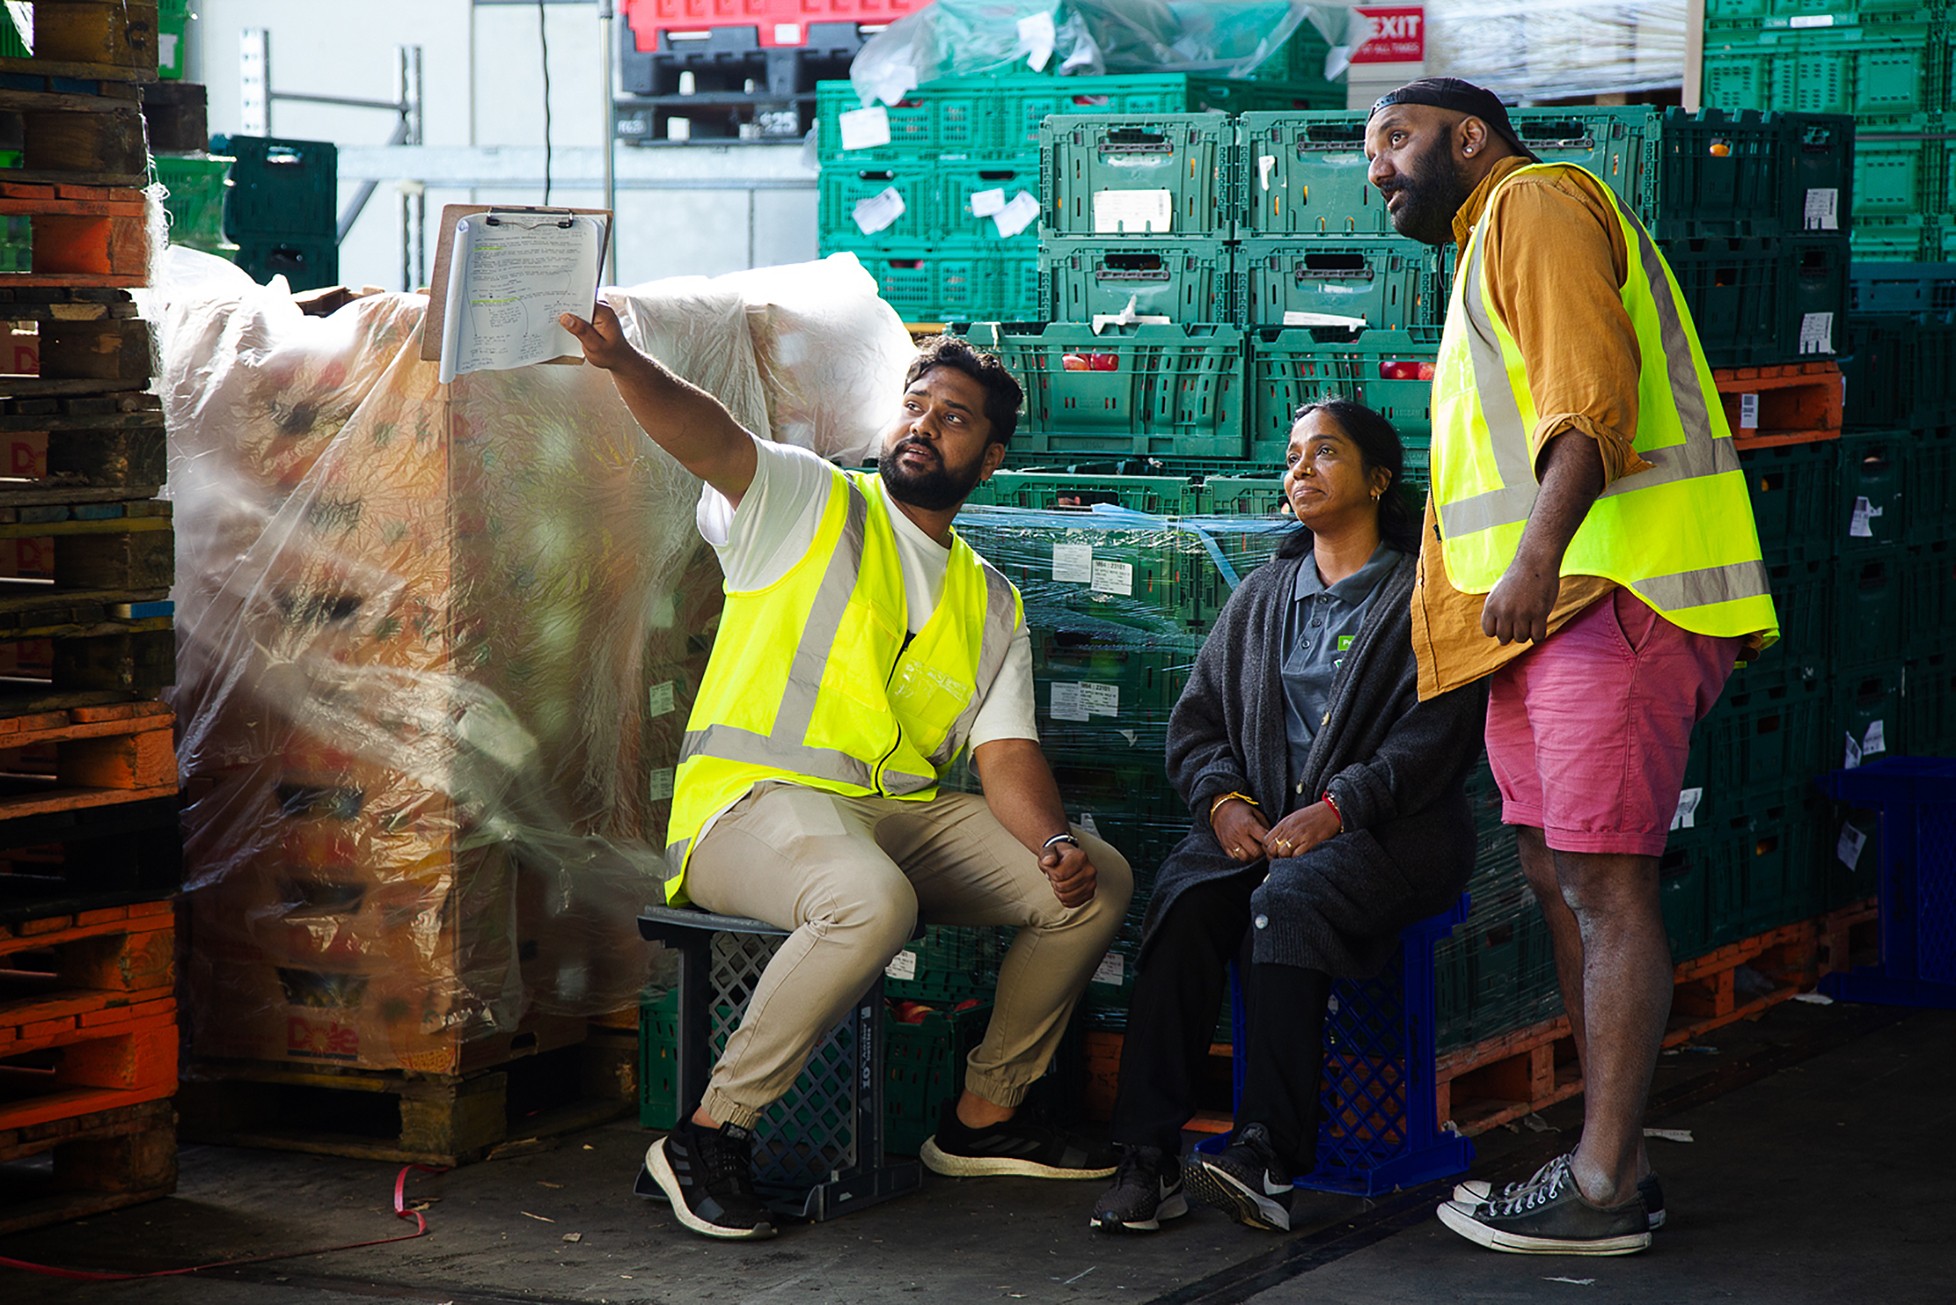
{"x":543,"y":40}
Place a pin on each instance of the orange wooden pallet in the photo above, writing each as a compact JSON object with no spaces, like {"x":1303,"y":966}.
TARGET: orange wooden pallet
{"x":81,"y":235}
{"x":82,"y":448}
{"x":67,"y":341}
{"x":86,"y":757}
{"x":1799,"y":403}
{"x":88,"y":1013}
{"x":101,"y":1161}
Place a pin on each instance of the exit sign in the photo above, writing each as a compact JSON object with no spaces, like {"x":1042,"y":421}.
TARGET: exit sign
{"x":1390,"y":35}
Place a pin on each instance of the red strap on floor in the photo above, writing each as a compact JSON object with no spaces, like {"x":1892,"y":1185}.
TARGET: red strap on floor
{"x":401,"y":1211}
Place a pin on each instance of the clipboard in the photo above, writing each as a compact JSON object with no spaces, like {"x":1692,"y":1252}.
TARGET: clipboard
{"x":433,"y":324}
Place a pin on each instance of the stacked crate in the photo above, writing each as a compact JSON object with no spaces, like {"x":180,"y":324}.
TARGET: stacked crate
{"x":90,"y":854}
{"x":1887,"y":63}
{"x":281,"y":208}
{"x":940,"y":193}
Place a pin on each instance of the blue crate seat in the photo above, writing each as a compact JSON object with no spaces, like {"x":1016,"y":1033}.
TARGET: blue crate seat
{"x":1916,"y":799}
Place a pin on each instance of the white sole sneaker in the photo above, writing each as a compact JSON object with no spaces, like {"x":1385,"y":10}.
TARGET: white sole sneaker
{"x":939,"y":1161}
{"x":1477,"y":1190}
{"x":1215,"y":1187}
{"x":660,"y":1168}
{"x":1461,"y":1219}
{"x":1173,"y":1206}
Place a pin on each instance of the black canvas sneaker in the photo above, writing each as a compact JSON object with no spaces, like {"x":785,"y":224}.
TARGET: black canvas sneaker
{"x":1147,"y":1189}
{"x":1015,"y":1147}
{"x":1551,"y":1218}
{"x":707,"y":1174}
{"x":1247,"y":1181}
{"x":1476,"y":1190}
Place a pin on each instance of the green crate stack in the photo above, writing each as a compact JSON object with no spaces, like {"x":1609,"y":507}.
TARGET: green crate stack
{"x":172,"y":24}
{"x":282,"y":208}
{"x":959,"y":149}
{"x":197,"y":186}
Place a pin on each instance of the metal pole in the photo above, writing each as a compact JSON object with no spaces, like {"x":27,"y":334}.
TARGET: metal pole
{"x":610,"y":126}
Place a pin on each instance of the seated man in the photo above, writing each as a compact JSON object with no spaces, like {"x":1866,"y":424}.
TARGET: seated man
{"x":863,"y":646}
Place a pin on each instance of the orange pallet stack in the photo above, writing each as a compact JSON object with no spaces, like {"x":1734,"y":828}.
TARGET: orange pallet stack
{"x":1797,"y":403}
{"x":90,"y":851}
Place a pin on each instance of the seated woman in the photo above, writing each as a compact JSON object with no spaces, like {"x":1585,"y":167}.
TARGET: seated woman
{"x":1330,"y":812}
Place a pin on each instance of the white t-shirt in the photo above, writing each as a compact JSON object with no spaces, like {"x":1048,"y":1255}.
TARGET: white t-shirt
{"x":759,"y":541}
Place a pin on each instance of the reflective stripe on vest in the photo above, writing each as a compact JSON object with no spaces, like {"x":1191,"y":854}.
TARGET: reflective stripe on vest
{"x":930,"y":684}
{"x":1491,"y":414}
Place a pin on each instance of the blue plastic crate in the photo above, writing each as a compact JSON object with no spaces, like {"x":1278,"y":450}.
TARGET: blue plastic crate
{"x":1916,"y":799}
{"x":1379,"y":1127}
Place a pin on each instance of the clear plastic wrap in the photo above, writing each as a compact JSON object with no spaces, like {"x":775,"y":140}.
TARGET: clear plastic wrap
{"x":968,"y":38}
{"x":436,"y":648}
{"x":1532,"y":50}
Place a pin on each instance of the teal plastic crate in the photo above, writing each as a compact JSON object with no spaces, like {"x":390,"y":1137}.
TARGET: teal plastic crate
{"x":923,"y":1064}
{"x":1717,"y":173}
{"x":1803,"y":600}
{"x":1129,"y":389}
{"x":1865,"y":718}
{"x":658,"y":1059}
{"x":1868,"y":602}
{"x":1732,"y":286}
{"x":1390,"y":282}
{"x":1929,"y":699}
{"x":1880,"y":73}
{"x":1247,"y":496}
{"x":1818,"y":158}
{"x":843,"y":186}
{"x":305,"y":264}
{"x":1390,"y":372}
{"x":1870,"y":512}
{"x":1795,"y":496}
{"x":1304,"y":174}
{"x":281,"y":191}
{"x":1496,"y":972}
{"x":1619,"y":145}
{"x":956,"y":205}
{"x":1902,"y":174}
{"x":1812,"y":297}
{"x":944,"y":282}
{"x":1928,"y":598}
{"x":1915,"y":289}
{"x":1155,"y":495}
{"x":1893,"y":239}
{"x":1684,"y":894}
{"x":197,"y":184}
{"x":1183,"y":279}
{"x":1140,"y":175}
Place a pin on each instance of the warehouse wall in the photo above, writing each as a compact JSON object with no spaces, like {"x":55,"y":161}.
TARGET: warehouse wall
{"x":482,"y":85}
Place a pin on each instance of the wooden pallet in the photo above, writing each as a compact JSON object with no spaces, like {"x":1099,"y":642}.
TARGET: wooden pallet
{"x":114,"y":40}
{"x":76,"y":342}
{"x":121,"y":545}
{"x":86,"y":1164}
{"x":95,"y":138}
{"x":88,"y":858}
{"x":88,"y":1012}
{"x":82,"y":649}
{"x":83,"y":236}
{"x":81,"y":449}
{"x":1799,"y":403}
{"x":444,"y":1119}
{"x":1850,"y":937}
{"x":86,"y":757}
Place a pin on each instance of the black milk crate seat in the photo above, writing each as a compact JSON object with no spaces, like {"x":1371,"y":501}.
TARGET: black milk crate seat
{"x":818,"y":1152}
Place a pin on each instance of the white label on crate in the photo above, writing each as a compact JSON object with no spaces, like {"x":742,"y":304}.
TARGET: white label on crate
{"x":1687,"y":812}
{"x":658,"y":785}
{"x":166,"y":49}
{"x":1849,"y":848}
{"x":1113,"y":578}
{"x":1112,"y":969}
{"x":1857,"y":525}
{"x":1087,"y":824}
{"x":1299,"y":317}
{"x":902,"y":966}
{"x":661,"y":698}
{"x":864,"y":129}
{"x":1817,"y":333}
{"x":1016,"y":216}
{"x":787,"y":33}
{"x":1265,"y":165}
{"x":1073,"y":564}
{"x":1133,"y":211}
{"x":1852,"y":757}
{"x":1875,"y":740}
{"x":879,"y":210}
{"x":1105,"y":699}
{"x":1039,"y":36}
{"x":1798,"y":21}
{"x":984,"y":203}
{"x":1068,"y":702}
{"x":1823,"y":209}
{"x":1748,"y":412}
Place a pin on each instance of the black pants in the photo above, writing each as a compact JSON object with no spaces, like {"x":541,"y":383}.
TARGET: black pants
{"x":1177,"y":998}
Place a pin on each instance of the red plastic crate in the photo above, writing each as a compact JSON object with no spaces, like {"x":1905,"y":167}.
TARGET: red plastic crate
{"x":781,"y":23}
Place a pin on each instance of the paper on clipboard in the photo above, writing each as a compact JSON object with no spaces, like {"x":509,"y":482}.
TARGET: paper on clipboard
{"x":510,"y":276}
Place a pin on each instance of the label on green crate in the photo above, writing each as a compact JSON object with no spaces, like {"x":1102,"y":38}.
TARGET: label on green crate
{"x":1068,"y":703}
{"x":1859,"y":525}
{"x":1113,"y":578}
{"x":1823,"y":209}
{"x":1131,"y":212}
{"x":902,"y":966}
{"x":1686,"y":816}
{"x":1817,"y":333}
{"x":1853,"y":755}
{"x":658,"y":785}
{"x":1073,"y":563}
{"x":1016,"y":216}
{"x":878,"y":211}
{"x":660,"y":698}
{"x":1798,"y":21}
{"x":1112,"y":969}
{"x":864,"y":129}
{"x":1875,"y":740}
{"x":1105,"y":700}
{"x":1086,"y":823}
{"x":1849,"y":848}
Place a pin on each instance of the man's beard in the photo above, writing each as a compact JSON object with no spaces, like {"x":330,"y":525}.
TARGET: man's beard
{"x":1427,"y":207}
{"x":933,"y":489}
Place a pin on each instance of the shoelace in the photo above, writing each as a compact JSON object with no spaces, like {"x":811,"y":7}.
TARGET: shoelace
{"x":1542,"y":1193}
{"x":1136,"y":1168}
{"x":727,"y":1164}
{"x":1536,"y":1179}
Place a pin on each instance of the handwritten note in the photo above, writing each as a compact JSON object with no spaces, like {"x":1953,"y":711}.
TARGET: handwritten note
{"x":509,"y":280}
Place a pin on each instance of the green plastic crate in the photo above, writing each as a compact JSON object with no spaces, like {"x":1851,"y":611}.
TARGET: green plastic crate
{"x":1304,"y":174}
{"x":1865,"y":719}
{"x":1496,"y":972}
{"x":658,"y":1059}
{"x":1762,"y":872}
{"x":1390,"y":282}
{"x":16,"y":243}
{"x":1139,"y":175}
{"x":1732,"y":286}
{"x":1894,"y":239}
{"x":1803,"y":600}
{"x":943,"y":282}
{"x":1246,"y":542}
{"x":1870,"y":512}
{"x":197,"y":184}
{"x":841,"y":187}
{"x":1929,"y":471}
{"x":1103,"y":699}
{"x":1868,"y":588}
{"x":1146,"y":389}
{"x":1758,"y":740}
{"x":1684,"y":895}
{"x":950,"y":963}
{"x":1812,"y":297}
{"x":1928,"y":598}
{"x":1246,"y":495}
{"x":1717,"y":173}
{"x":1902,"y":174}
{"x":172,"y":27}
{"x":305,"y":264}
{"x":923,"y":1070}
{"x":281,"y":190}
{"x":1929,"y":699}
{"x":1185,"y":280}
{"x":1882,"y":74}
{"x":1620,"y":145}
{"x":1155,"y":495}
{"x":1390,"y":372}
{"x":957,"y":183}
{"x":1817,"y":171}
{"x":1794,"y":498}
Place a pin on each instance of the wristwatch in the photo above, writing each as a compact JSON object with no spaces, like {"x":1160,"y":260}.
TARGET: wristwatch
{"x":1060,"y":838}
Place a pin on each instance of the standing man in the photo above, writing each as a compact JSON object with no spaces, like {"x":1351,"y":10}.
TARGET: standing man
{"x":863,"y":647}
{"x":1589,"y":543}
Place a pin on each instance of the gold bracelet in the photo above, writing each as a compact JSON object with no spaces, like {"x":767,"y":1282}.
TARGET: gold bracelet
{"x":1232,"y":797}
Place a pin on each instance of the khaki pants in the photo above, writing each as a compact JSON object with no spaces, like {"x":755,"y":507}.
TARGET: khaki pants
{"x":850,"y":877}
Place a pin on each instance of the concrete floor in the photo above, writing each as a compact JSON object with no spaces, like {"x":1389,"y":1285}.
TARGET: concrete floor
{"x":1823,"y":1141}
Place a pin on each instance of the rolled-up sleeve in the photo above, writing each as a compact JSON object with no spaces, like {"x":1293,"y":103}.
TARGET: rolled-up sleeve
{"x":1558,"y":263}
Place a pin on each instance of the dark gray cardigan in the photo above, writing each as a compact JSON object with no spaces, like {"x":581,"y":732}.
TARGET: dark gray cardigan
{"x":1395,"y":767}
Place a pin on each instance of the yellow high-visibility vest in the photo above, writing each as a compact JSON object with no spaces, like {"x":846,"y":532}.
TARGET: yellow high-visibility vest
{"x":1679,"y":535}
{"x":814,"y":679}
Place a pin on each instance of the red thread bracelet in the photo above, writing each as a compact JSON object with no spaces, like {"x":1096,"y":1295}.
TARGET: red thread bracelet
{"x":1334,"y":809}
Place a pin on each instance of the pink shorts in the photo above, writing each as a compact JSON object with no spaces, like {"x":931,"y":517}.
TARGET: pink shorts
{"x":1588,"y":734}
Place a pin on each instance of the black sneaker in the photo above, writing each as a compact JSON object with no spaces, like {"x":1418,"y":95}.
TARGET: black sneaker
{"x":708,"y":1176}
{"x":1017,"y":1147}
{"x":1477,"y":1190}
{"x":1147,"y":1189}
{"x":1551,"y":1218}
{"x":1247,"y":1181}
